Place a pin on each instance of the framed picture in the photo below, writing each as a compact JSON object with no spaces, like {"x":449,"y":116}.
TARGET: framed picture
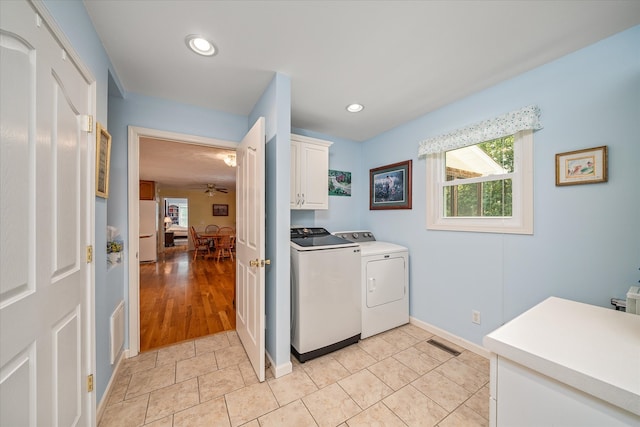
{"x":586,"y":166}
{"x":339,"y":183}
{"x":390,"y":186}
{"x":220,"y":210}
{"x":103,"y":158}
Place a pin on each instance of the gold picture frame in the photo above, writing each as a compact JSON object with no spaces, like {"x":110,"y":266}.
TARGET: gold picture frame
{"x":586,"y":166}
{"x":103,"y":159}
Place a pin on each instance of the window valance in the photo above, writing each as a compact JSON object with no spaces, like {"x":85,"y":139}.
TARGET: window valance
{"x":527,"y":118}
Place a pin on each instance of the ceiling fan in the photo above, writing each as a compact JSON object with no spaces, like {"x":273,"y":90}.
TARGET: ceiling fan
{"x":212,"y":189}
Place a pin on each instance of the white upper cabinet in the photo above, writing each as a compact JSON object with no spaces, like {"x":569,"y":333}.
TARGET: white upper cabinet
{"x":309,"y":173}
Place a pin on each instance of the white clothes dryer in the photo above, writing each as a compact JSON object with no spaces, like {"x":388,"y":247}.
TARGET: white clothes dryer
{"x":385,"y":282}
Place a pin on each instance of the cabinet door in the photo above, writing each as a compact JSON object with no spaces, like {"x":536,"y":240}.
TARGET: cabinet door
{"x":147,"y":190}
{"x":314,"y":180}
{"x":526,"y":398}
{"x":294,"y":174}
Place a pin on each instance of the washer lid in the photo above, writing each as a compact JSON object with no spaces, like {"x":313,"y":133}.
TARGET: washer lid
{"x":379,"y":248}
{"x":317,"y":238}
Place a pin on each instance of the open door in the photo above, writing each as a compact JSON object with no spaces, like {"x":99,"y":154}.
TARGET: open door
{"x":250,"y":207}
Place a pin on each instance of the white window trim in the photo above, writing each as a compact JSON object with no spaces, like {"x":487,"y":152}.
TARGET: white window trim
{"x":521,"y":222}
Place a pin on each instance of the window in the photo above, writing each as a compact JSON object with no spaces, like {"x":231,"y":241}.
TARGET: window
{"x":486,"y":187}
{"x":178,"y":211}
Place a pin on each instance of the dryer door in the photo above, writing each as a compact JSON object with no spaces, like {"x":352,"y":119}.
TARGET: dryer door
{"x":385,"y":280}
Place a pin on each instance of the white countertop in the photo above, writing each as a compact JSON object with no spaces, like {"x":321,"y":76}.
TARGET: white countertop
{"x":593,"y":349}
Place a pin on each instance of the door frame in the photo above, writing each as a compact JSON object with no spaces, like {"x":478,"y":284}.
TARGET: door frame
{"x":133,"y":174}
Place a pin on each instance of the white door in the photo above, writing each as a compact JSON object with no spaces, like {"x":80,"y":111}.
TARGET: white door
{"x":45,"y":197}
{"x":250,"y":207}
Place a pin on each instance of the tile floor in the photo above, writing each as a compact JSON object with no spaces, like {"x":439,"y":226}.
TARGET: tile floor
{"x":392,"y":379}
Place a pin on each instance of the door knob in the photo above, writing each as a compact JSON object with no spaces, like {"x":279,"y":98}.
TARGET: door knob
{"x":259,"y":263}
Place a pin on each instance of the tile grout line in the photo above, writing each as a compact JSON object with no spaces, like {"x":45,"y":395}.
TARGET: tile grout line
{"x":393,"y":342}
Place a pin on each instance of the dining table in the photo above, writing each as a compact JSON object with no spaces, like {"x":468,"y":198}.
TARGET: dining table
{"x":215,"y":237}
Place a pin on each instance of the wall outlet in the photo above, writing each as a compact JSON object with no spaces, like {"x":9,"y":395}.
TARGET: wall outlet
{"x":475,"y":316}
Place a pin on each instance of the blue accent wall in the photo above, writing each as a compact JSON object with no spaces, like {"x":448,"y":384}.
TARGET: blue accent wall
{"x":586,"y":241}
{"x":275,"y":106}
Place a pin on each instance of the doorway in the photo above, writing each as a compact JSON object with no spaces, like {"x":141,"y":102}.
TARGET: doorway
{"x":135,"y":135}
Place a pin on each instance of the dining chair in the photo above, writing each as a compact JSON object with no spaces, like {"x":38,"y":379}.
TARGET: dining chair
{"x":226,"y":231}
{"x":211,"y":229}
{"x":225,"y":246}
{"x":199,"y":243}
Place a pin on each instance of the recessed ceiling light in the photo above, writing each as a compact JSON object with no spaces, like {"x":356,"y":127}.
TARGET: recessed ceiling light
{"x":200,"y":45}
{"x":355,"y":108}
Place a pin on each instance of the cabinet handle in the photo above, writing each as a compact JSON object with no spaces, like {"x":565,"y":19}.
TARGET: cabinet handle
{"x":302,"y":203}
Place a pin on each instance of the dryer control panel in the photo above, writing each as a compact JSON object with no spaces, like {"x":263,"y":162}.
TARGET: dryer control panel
{"x":357,"y":236}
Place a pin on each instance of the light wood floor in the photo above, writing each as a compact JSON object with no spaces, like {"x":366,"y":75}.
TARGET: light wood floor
{"x":182,"y":299}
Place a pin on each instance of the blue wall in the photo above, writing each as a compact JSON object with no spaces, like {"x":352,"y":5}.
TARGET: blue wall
{"x":275,"y":106}
{"x":586,"y":242}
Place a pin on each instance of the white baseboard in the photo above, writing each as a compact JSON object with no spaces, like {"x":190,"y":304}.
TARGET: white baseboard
{"x":278,"y":371}
{"x":105,"y":397}
{"x":468,"y":345}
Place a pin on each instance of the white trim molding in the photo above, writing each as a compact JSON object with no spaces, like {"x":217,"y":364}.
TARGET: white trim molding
{"x":521,"y":219}
{"x":133,"y":168}
{"x":281,"y":370}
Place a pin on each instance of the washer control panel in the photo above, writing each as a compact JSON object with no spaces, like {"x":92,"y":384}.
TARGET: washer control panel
{"x":356,"y":236}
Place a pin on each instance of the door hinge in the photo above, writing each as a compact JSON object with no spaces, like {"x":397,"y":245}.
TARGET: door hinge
{"x":87,"y":123}
{"x":89,"y":254}
{"x":90,"y":383}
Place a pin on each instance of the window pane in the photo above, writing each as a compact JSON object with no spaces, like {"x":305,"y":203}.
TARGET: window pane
{"x":497,"y":198}
{"x":486,"y":199}
{"x":484,"y":159}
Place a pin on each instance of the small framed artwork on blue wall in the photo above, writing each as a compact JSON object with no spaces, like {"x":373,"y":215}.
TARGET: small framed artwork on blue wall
{"x":586,"y":166}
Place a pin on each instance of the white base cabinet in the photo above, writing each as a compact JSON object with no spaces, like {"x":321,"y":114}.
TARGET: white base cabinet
{"x":525,"y":398}
{"x":309,"y":173}
{"x":565,"y":363}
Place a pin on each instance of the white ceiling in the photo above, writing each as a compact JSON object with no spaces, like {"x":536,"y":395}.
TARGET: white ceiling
{"x":401,"y":59}
{"x":184,"y":166}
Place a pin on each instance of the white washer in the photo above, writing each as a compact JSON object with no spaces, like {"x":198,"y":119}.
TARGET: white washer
{"x":325,"y":293}
{"x":385,"y":282}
